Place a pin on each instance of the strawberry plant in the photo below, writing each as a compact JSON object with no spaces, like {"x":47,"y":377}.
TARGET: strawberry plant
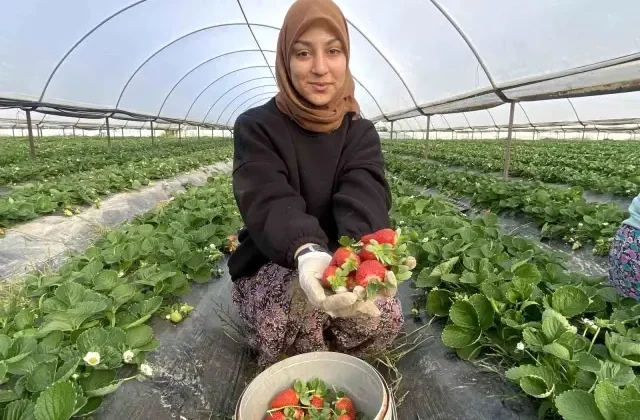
{"x":605,"y":167}
{"x":64,"y":156}
{"x":562,"y":214}
{"x":66,"y":336}
{"x":568,"y":340}
{"x":65,"y":193}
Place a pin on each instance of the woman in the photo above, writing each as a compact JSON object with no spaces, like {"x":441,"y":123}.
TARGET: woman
{"x":307,"y":171}
{"x":624,"y":257}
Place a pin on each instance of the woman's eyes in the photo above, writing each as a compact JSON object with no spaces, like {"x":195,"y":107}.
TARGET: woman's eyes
{"x":332,"y":51}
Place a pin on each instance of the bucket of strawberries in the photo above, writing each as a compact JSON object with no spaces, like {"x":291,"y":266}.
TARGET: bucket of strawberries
{"x":317,"y":386}
{"x":376,"y":262}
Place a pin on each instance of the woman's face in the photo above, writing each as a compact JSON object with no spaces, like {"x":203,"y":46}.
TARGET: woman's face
{"x":318,"y":65}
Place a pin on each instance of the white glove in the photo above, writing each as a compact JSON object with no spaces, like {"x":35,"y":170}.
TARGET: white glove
{"x":310,"y":268}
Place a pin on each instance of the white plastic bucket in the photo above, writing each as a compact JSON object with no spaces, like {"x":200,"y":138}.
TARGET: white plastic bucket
{"x":359,"y":380}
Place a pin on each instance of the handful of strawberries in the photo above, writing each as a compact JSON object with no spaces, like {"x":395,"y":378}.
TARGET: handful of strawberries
{"x":311,"y":401}
{"x":376,"y":262}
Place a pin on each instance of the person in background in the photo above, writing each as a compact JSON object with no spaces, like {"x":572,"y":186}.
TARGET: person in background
{"x":308,"y":169}
{"x":624,"y":256}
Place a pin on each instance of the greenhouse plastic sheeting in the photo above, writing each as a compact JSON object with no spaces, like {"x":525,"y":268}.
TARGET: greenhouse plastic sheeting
{"x":204,"y":62}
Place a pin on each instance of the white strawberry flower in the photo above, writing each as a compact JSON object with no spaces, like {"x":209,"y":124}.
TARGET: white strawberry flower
{"x":128,"y":356}
{"x":520,"y":346}
{"x":120,"y":273}
{"x":146,"y":370}
{"x":92,"y":358}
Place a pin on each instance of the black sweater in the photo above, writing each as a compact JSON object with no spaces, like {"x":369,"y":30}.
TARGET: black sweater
{"x":293,"y":186}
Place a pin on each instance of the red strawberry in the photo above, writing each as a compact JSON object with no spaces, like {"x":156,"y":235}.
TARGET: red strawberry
{"x":369,"y":271}
{"x":328,"y":272}
{"x":276,"y":415}
{"x":317,"y":402}
{"x":342,"y":255}
{"x":386,"y":236}
{"x":286,"y":398}
{"x":367,"y":255}
{"x":345,"y":404}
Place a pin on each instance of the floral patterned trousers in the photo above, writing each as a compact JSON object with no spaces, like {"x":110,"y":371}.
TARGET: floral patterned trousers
{"x":280,"y":321}
{"x":624,"y":259}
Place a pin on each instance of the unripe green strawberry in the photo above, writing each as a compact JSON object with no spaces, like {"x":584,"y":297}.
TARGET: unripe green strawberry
{"x":175,"y":316}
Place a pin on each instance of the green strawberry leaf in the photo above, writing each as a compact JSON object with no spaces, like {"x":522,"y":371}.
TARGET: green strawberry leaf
{"x":577,"y":405}
{"x":588,"y":362}
{"x":570,"y":301}
{"x":456,"y":337}
{"x":56,"y":402}
{"x":41,"y":377}
{"x":439,"y":302}
{"x":138,"y":336}
{"x":20,"y":410}
{"x":426,"y":280}
{"x":484,"y":310}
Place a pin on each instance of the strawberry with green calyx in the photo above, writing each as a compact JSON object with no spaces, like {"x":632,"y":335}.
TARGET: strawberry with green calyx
{"x":318,"y":391}
{"x":344,"y":255}
{"x":344,"y":405}
{"x":289,"y":397}
{"x":293,"y":413}
{"x":370,"y":271}
{"x":275,"y":415}
{"x":383,"y":236}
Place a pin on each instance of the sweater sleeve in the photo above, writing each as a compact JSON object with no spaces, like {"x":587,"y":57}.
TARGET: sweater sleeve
{"x":273,"y":212}
{"x":362,"y":201}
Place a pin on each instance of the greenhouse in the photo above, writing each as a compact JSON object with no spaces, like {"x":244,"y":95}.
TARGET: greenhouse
{"x":509,"y":132}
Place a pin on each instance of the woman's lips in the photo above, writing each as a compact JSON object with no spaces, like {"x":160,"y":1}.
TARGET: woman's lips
{"x":320,"y":87}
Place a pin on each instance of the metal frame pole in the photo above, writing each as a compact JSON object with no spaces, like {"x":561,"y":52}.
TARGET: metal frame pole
{"x":122,"y":131}
{"x":198,"y":132}
{"x":507,"y":151}
{"x":391,"y":133}
{"x":32,"y":146}
{"x":179,"y":131}
{"x":153,"y":139}
{"x":13,"y":131}
{"x":108,"y":132}
{"x":74,"y":130}
{"x":426,"y":146}
{"x":584,"y":130}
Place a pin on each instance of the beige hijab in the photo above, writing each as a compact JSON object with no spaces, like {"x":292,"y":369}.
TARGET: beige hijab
{"x":301,"y":15}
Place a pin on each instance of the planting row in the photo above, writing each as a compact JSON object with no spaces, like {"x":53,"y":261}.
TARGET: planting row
{"x":29,"y":201}
{"x":66,"y":335}
{"x":603,"y":167}
{"x":560,"y":213}
{"x":567,"y":340}
{"x":66,"y":156}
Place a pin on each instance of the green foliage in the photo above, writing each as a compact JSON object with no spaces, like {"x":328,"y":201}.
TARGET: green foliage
{"x":605,"y":167}
{"x":64,"y":340}
{"x":569,"y":340}
{"x":560,"y":213}
{"x":99,"y":175}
